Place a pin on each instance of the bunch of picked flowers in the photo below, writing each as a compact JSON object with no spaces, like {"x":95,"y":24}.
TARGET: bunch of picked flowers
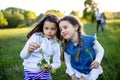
{"x":45,"y":64}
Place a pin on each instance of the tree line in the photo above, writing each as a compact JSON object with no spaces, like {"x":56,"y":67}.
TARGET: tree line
{"x":13,"y":17}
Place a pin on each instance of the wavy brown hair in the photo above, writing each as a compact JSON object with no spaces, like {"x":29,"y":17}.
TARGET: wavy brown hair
{"x":74,"y":21}
{"x":39,"y":26}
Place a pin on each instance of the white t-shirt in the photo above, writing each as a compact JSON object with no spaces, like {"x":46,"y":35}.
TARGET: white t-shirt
{"x":98,"y":16}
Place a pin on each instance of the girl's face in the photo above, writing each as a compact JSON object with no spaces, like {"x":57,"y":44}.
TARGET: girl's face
{"x":49,"y":29}
{"x":68,"y":31}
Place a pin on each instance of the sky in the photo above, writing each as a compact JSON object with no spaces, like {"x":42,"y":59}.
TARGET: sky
{"x":65,"y":6}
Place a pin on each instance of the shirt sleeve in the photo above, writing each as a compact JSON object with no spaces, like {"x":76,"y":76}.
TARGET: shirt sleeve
{"x":56,"y":58}
{"x":24,"y":54}
{"x":99,"y":51}
{"x":69,"y":70}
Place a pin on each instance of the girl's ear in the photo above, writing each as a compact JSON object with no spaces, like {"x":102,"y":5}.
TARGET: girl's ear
{"x":76,"y":27}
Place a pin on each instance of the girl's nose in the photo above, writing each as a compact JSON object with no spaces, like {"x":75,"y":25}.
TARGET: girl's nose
{"x":49,"y":30}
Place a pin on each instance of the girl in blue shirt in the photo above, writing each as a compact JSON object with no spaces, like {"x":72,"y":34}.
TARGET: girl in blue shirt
{"x":41,"y":45}
{"x":81,"y":53}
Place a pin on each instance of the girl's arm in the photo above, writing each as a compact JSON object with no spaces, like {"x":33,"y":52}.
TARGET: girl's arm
{"x":99,"y":51}
{"x":69,"y":70}
{"x":25,"y":53}
{"x":56,"y":58}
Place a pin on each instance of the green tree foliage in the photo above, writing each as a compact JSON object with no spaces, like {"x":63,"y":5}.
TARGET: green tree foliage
{"x":3,"y":21}
{"x":39,"y":17}
{"x":56,"y":12}
{"x":8,"y":16}
{"x":13,"y":18}
{"x":75,"y":13}
{"x":89,"y":11}
{"x":30,"y":17}
{"x":16,"y":17}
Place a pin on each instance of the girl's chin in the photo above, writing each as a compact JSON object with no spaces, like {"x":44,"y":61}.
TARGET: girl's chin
{"x":49,"y":37}
{"x":66,"y":38}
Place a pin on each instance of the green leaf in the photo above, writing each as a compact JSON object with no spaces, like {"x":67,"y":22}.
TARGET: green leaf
{"x":88,"y":52}
{"x":44,"y":61}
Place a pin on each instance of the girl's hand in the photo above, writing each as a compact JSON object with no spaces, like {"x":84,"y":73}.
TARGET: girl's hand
{"x":95,"y":64}
{"x":43,"y":68}
{"x":73,"y":77}
{"x":33,"y":46}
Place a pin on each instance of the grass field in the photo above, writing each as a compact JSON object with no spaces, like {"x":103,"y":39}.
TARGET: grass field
{"x":13,"y":40}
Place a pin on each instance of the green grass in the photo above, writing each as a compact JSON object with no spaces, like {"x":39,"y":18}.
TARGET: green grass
{"x":13,"y":40}
{"x":110,"y":40}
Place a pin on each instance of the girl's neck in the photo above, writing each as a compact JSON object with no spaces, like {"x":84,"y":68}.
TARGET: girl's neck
{"x":75,"y":38}
{"x":75,"y":41}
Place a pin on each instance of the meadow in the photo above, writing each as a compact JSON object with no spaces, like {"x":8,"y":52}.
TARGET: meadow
{"x":13,"y":40}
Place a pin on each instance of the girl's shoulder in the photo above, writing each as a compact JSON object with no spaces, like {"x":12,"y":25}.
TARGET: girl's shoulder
{"x":38,"y":34}
{"x":89,"y":37}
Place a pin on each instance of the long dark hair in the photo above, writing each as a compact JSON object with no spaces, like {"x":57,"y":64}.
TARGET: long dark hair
{"x":74,"y":21}
{"x":39,"y":27}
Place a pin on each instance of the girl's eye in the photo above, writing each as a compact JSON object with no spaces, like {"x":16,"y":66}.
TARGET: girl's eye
{"x":46,"y":28}
{"x":65,"y":27}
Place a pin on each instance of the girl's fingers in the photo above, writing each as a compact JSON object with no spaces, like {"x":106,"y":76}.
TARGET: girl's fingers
{"x":43,"y":68}
{"x":95,"y":64}
{"x":31,"y":49}
{"x":33,"y":46}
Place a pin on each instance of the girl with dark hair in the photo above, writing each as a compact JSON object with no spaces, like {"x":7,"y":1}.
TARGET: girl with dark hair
{"x":81,"y":53}
{"x":41,"y":45}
